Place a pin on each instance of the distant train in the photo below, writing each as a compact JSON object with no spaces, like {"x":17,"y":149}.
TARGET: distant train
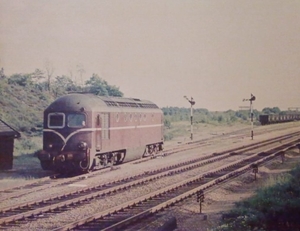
{"x":270,"y":119}
{"x":84,"y":132}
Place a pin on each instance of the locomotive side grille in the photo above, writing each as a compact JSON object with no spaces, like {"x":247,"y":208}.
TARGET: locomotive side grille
{"x":111,"y":103}
{"x":147,"y":105}
{"x":129,"y":104}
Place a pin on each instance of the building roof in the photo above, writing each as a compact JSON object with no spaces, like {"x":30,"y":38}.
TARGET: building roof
{"x":6,"y":130}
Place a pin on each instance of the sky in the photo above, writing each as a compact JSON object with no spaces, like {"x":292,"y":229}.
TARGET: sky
{"x":217,"y":51}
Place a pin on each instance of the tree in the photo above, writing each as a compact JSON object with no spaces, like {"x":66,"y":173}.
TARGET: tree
{"x":114,"y":91}
{"x":2,"y":75}
{"x":98,"y":86}
{"x":20,"y":79}
{"x":49,"y":71}
{"x":38,"y":75}
{"x":268,"y":110}
{"x":81,"y":71}
{"x":62,"y":85}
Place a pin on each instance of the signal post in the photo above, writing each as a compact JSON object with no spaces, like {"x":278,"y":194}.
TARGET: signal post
{"x":192,"y":102}
{"x":252,"y":98}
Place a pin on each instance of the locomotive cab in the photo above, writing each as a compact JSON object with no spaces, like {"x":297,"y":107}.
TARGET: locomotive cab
{"x":65,"y":144}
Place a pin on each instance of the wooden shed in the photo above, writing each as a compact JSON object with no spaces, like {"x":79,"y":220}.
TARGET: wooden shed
{"x":7,"y":136}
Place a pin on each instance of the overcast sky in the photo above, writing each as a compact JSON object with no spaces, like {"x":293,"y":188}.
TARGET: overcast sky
{"x":218,"y":52}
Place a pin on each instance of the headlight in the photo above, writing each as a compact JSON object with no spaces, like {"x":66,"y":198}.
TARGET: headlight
{"x":82,"y":145}
{"x":69,"y":156}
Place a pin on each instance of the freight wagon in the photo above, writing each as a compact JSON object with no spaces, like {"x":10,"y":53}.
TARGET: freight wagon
{"x":270,"y":119}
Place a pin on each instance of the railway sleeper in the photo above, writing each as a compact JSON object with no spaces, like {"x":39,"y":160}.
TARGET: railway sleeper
{"x":92,"y":226}
{"x":206,"y":180}
{"x":263,"y":154}
{"x":219,"y":174}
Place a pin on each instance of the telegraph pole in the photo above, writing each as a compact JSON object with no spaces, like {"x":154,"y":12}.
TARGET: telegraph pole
{"x":192,"y":102}
{"x":252,"y":98}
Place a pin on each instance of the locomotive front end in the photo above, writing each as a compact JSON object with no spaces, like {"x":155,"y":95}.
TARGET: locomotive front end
{"x":66,"y":138}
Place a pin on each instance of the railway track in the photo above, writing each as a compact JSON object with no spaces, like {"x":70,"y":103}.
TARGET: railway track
{"x":57,"y":179}
{"x":36,"y":209}
{"x":138,"y":209}
{"x":50,"y":179}
{"x":45,"y":182}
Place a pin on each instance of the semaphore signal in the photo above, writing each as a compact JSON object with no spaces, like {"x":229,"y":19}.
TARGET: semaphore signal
{"x":252,"y":98}
{"x":192,"y":102}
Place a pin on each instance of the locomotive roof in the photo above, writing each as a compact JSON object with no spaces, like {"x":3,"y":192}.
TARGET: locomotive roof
{"x":75,"y":101}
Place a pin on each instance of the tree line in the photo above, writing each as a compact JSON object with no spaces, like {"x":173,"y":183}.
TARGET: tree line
{"x":24,"y":97}
{"x":38,"y":89}
{"x":60,"y":85}
{"x":202,"y":115}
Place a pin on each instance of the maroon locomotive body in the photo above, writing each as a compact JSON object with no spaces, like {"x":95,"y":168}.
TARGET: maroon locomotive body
{"x":84,"y":132}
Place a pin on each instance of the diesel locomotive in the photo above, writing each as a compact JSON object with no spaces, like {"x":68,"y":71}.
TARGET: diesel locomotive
{"x":83,"y":132}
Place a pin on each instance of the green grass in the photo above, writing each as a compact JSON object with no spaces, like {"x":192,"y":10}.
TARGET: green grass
{"x":280,"y":179}
{"x":276,"y":206}
{"x":27,"y":145}
{"x":177,"y":129}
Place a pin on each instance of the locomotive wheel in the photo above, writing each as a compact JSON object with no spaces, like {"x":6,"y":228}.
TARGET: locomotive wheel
{"x":83,"y":165}
{"x":151,"y":150}
{"x":148,"y":151}
{"x":120,"y":158}
{"x":156,"y":149}
{"x":46,"y":164}
{"x":145,"y":154}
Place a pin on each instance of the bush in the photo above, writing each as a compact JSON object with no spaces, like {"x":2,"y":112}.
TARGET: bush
{"x":20,"y":79}
{"x":167,"y":123}
{"x":24,"y":145}
{"x":272,"y":208}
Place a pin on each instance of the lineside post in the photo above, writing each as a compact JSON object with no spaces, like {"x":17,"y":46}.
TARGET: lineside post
{"x":192,"y":102}
{"x":282,"y":154}
{"x":252,"y":98}
{"x":254,"y":170}
{"x":298,"y":146}
{"x":200,"y":199}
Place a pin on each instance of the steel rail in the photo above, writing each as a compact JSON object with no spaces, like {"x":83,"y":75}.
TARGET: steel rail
{"x":176,"y":168}
{"x":80,"y":198}
{"x":45,"y":182}
{"x":55,"y":176}
{"x":248,"y":161}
